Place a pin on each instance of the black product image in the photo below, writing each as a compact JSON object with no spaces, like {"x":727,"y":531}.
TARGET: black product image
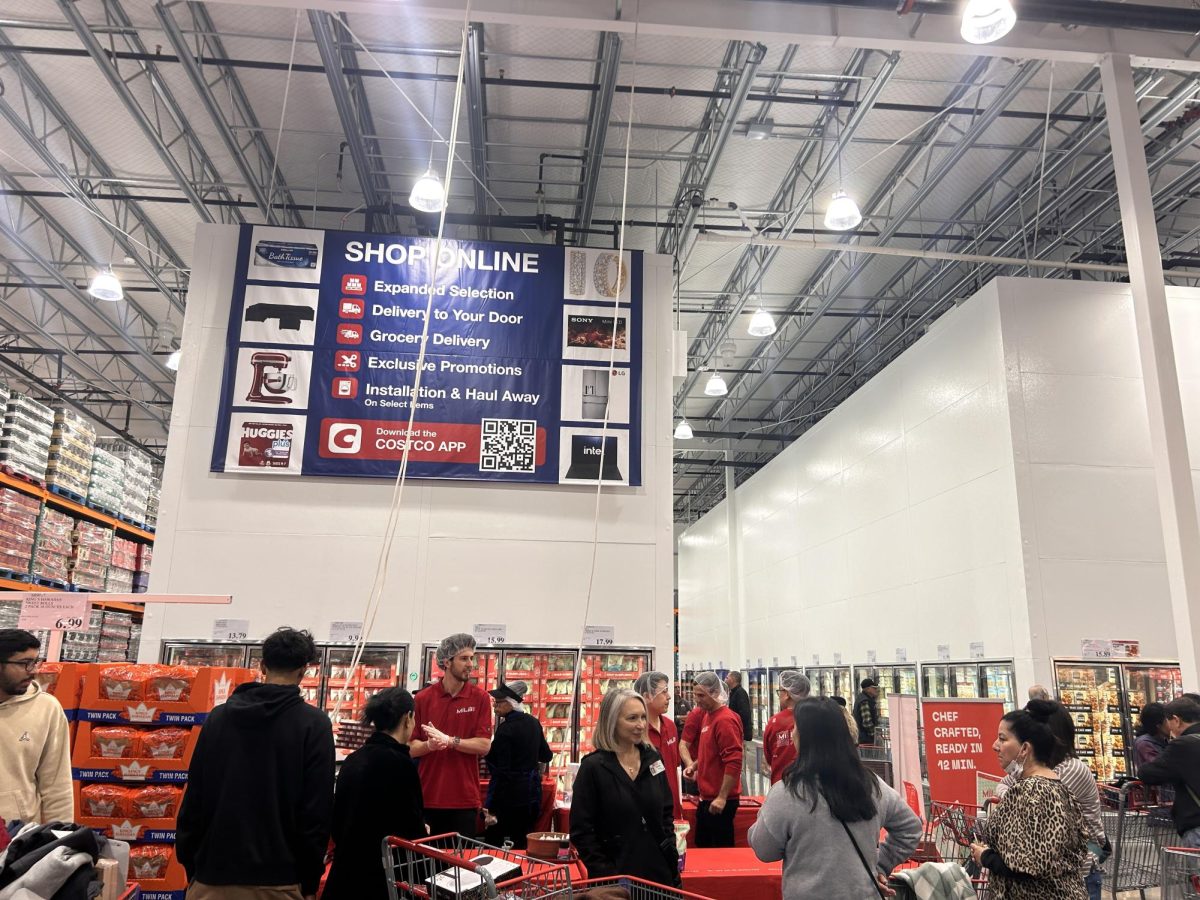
{"x":585,"y":458}
{"x":289,"y":316}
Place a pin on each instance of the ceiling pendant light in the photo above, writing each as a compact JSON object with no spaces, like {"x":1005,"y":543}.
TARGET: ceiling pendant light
{"x":173,"y":360}
{"x":428,"y":195}
{"x":762,"y":323}
{"x":683,"y":431}
{"x":716,"y":386}
{"x":843,"y":213}
{"x":106,"y":286}
{"x":985,"y":21}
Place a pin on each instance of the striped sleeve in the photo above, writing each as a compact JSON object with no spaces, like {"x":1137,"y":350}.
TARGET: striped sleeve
{"x":1078,"y":779}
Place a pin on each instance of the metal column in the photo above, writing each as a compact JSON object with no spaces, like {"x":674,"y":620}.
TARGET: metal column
{"x":1172,"y":471}
{"x":737,"y":606}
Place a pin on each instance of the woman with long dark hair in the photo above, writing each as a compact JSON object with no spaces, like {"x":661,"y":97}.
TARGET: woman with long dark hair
{"x":1152,"y":735}
{"x":1034,"y":843}
{"x":823,"y":819}
{"x":378,"y":795}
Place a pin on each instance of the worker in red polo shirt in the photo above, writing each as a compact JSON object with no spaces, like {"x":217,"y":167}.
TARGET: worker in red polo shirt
{"x":454,"y":729}
{"x":718,"y":763}
{"x":655,"y":688}
{"x":779,"y":750}
{"x":689,"y":743}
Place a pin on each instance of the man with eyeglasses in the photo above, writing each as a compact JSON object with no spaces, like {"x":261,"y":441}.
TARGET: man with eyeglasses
{"x":35,"y":742}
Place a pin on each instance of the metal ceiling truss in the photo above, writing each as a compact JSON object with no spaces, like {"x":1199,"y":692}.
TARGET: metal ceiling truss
{"x":476,"y":98}
{"x":735,"y":79}
{"x":227,"y":105}
{"x":608,"y":65}
{"x":144,"y":93}
{"x":788,"y":208}
{"x":803,"y":403}
{"x":354,"y":113}
{"x":30,"y":109}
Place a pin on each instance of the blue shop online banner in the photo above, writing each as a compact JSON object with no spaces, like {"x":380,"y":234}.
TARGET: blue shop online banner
{"x":529,"y":347}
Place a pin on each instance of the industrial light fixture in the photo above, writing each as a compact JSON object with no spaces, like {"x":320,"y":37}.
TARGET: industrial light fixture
{"x":843,"y":213}
{"x":985,"y":21}
{"x":106,"y":286}
{"x":760,"y":129}
{"x":173,"y":360}
{"x":683,"y":431}
{"x":762,"y":323}
{"x":716,"y":386}
{"x":428,"y":195}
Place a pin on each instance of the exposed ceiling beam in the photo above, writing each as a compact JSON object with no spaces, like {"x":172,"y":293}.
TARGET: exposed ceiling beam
{"x":250,"y":153}
{"x":476,"y":98}
{"x":607,"y":67}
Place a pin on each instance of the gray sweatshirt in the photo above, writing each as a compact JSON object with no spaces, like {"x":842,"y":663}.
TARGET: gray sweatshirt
{"x":818,"y":861}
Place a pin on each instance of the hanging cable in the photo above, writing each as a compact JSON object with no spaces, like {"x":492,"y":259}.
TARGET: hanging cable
{"x":287,"y":87}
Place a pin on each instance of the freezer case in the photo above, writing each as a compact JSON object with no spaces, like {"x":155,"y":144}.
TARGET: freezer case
{"x":1092,"y":693}
{"x":346,"y":689}
{"x":550,"y":676}
{"x":999,"y":683}
{"x":204,"y":653}
{"x":760,"y":700}
{"x":601,"y":673}
{"x":1150,"y":682}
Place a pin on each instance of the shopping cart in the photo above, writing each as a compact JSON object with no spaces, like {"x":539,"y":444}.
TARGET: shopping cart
{"x":949,"y":830}
{"x":1180,"y":876}
{"x":635,"y":888}
{"x":878,"y":759}
{"x":452,"y":866}
{"x":1139,"y":825}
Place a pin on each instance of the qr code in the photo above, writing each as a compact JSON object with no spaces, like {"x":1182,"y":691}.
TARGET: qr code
{"x":507,"y":445}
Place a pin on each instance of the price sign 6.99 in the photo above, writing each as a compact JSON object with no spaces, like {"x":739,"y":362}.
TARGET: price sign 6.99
{"x":54,"y":611}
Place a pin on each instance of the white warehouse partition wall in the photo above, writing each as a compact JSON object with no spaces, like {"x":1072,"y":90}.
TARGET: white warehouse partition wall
{"x":993,"y":484}
{"x":302,"y":551}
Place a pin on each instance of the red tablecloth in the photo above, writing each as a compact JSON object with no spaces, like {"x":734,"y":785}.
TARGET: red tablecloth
{"x":735,"y":872}
{"x":746,"y":816}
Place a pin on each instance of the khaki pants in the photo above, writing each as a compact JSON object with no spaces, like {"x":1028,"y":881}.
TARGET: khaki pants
{"x":198,"y":891}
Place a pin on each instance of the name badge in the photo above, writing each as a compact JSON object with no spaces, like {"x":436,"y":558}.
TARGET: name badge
{"x":657,"y":767}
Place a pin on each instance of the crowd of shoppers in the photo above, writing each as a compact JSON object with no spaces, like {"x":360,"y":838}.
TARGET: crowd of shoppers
{"x":250,"y":832}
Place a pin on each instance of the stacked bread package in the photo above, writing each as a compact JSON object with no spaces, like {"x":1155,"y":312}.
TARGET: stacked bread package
{"x":28,"y":431}
{"x":72,"y":444}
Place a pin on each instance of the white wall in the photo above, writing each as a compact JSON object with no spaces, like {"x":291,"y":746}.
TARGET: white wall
{"x":994,"y":483}
{"x":303,"y":551}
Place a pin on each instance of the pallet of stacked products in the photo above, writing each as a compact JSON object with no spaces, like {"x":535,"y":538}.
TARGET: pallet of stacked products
{"x":10,"y":614}
{"x":138,"y":479}
{"x":18,"y":530}
{"x":69,"y":470}
{"x":115,"y":630}
{"x":52,"y":549}
{"x":135,"y":641}
{"x":92,"y":552}
{"x":141,"y":577}
{"x":121,"y":566}
{"x":106,"y":485}
{"x":84,"y":646}
{"x":25,"y":441}
{"x":138,"y":727}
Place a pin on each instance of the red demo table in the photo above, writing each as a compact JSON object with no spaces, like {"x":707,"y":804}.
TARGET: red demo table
{"x":732,"y":872}
{"x":745,"y":816}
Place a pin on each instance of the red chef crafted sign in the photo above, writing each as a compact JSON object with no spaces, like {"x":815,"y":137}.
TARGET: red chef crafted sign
{"x":959,"y":735}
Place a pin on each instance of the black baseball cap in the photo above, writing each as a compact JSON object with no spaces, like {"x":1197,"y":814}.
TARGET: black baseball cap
{"x":868,"y":683}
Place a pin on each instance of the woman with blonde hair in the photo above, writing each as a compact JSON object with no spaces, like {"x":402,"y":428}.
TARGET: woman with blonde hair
{"x":621,"y":810}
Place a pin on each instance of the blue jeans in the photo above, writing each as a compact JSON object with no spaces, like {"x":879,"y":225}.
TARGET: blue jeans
{"x":1094,"y":884}
{"x":1190,"y":838}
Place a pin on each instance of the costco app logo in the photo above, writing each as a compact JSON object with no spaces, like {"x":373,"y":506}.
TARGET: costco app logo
{"x":354,"y":284}
{"x":345,"y":437}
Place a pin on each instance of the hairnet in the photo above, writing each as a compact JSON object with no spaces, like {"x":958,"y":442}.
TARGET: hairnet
{"x":795,"y":683}
{"x":712,"y":683}
{"x":451,"y":646}
{"x":648,"y":683}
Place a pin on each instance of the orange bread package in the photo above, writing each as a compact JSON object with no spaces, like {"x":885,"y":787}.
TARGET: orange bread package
{"x":121,"y":682}
{"x":165,"y":743}
{"x":148,"y":862}
{"x":171,"y":684}
{"x":155,"y":802}
{"x":47,"y":676}
{"x":116,"y":742}
{"x":104,"y":800}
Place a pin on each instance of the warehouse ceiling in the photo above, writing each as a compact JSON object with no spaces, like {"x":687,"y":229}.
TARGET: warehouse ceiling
{"x":124,"y":124}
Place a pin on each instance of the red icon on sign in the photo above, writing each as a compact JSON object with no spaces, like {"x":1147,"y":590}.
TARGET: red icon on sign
{"x":345,"y":388}
{"x":352,"y":309}
{"x":354,"y":284}
{"x":347,"y":360}
{"x":349,"y":333}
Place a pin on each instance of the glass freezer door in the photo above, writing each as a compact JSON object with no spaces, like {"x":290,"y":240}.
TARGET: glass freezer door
{"x":378,"y":667}
{"x":204,"y":653}
{"x":937,"y":682}
{"x":760,"y":700}
{"x":906,"y":681}
{"x":604,"y":672}
{"x":550,"y":675}
{"x":1151,"y":683}
{"x":966,"y":681}
{"x":841,"y":684}
{"x":999,"y":683}
{"x":1091,"y":692}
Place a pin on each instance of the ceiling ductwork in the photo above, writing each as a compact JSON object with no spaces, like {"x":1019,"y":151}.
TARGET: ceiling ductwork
{"x":1068,"y":13}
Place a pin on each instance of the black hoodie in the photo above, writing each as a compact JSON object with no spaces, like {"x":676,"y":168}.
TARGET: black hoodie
{"x":260,"y":792}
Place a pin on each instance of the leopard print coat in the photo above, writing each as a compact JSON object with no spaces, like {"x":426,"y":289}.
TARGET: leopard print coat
{"x":1038,"y":830}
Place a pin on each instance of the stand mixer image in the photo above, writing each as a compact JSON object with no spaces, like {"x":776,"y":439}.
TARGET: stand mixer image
{"x":271,"y":381}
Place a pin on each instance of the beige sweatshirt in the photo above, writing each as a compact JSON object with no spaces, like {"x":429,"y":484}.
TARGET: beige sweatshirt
{"x":35,"y":759}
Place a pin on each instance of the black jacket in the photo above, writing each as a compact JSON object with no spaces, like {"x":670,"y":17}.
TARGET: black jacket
{"x":739,"y":702}
{"x":1179,"y":765}
{"x":518,"y":746}
{"x":378,"y":796}
{"x":866,"y":717}
{"x":623,"y":827}
{"x":260,"y":792}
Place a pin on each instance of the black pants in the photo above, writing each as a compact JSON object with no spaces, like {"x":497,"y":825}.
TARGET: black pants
{"x":453,"y":821}
{"x":513,"y":824}
{"x":715,"y":831}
